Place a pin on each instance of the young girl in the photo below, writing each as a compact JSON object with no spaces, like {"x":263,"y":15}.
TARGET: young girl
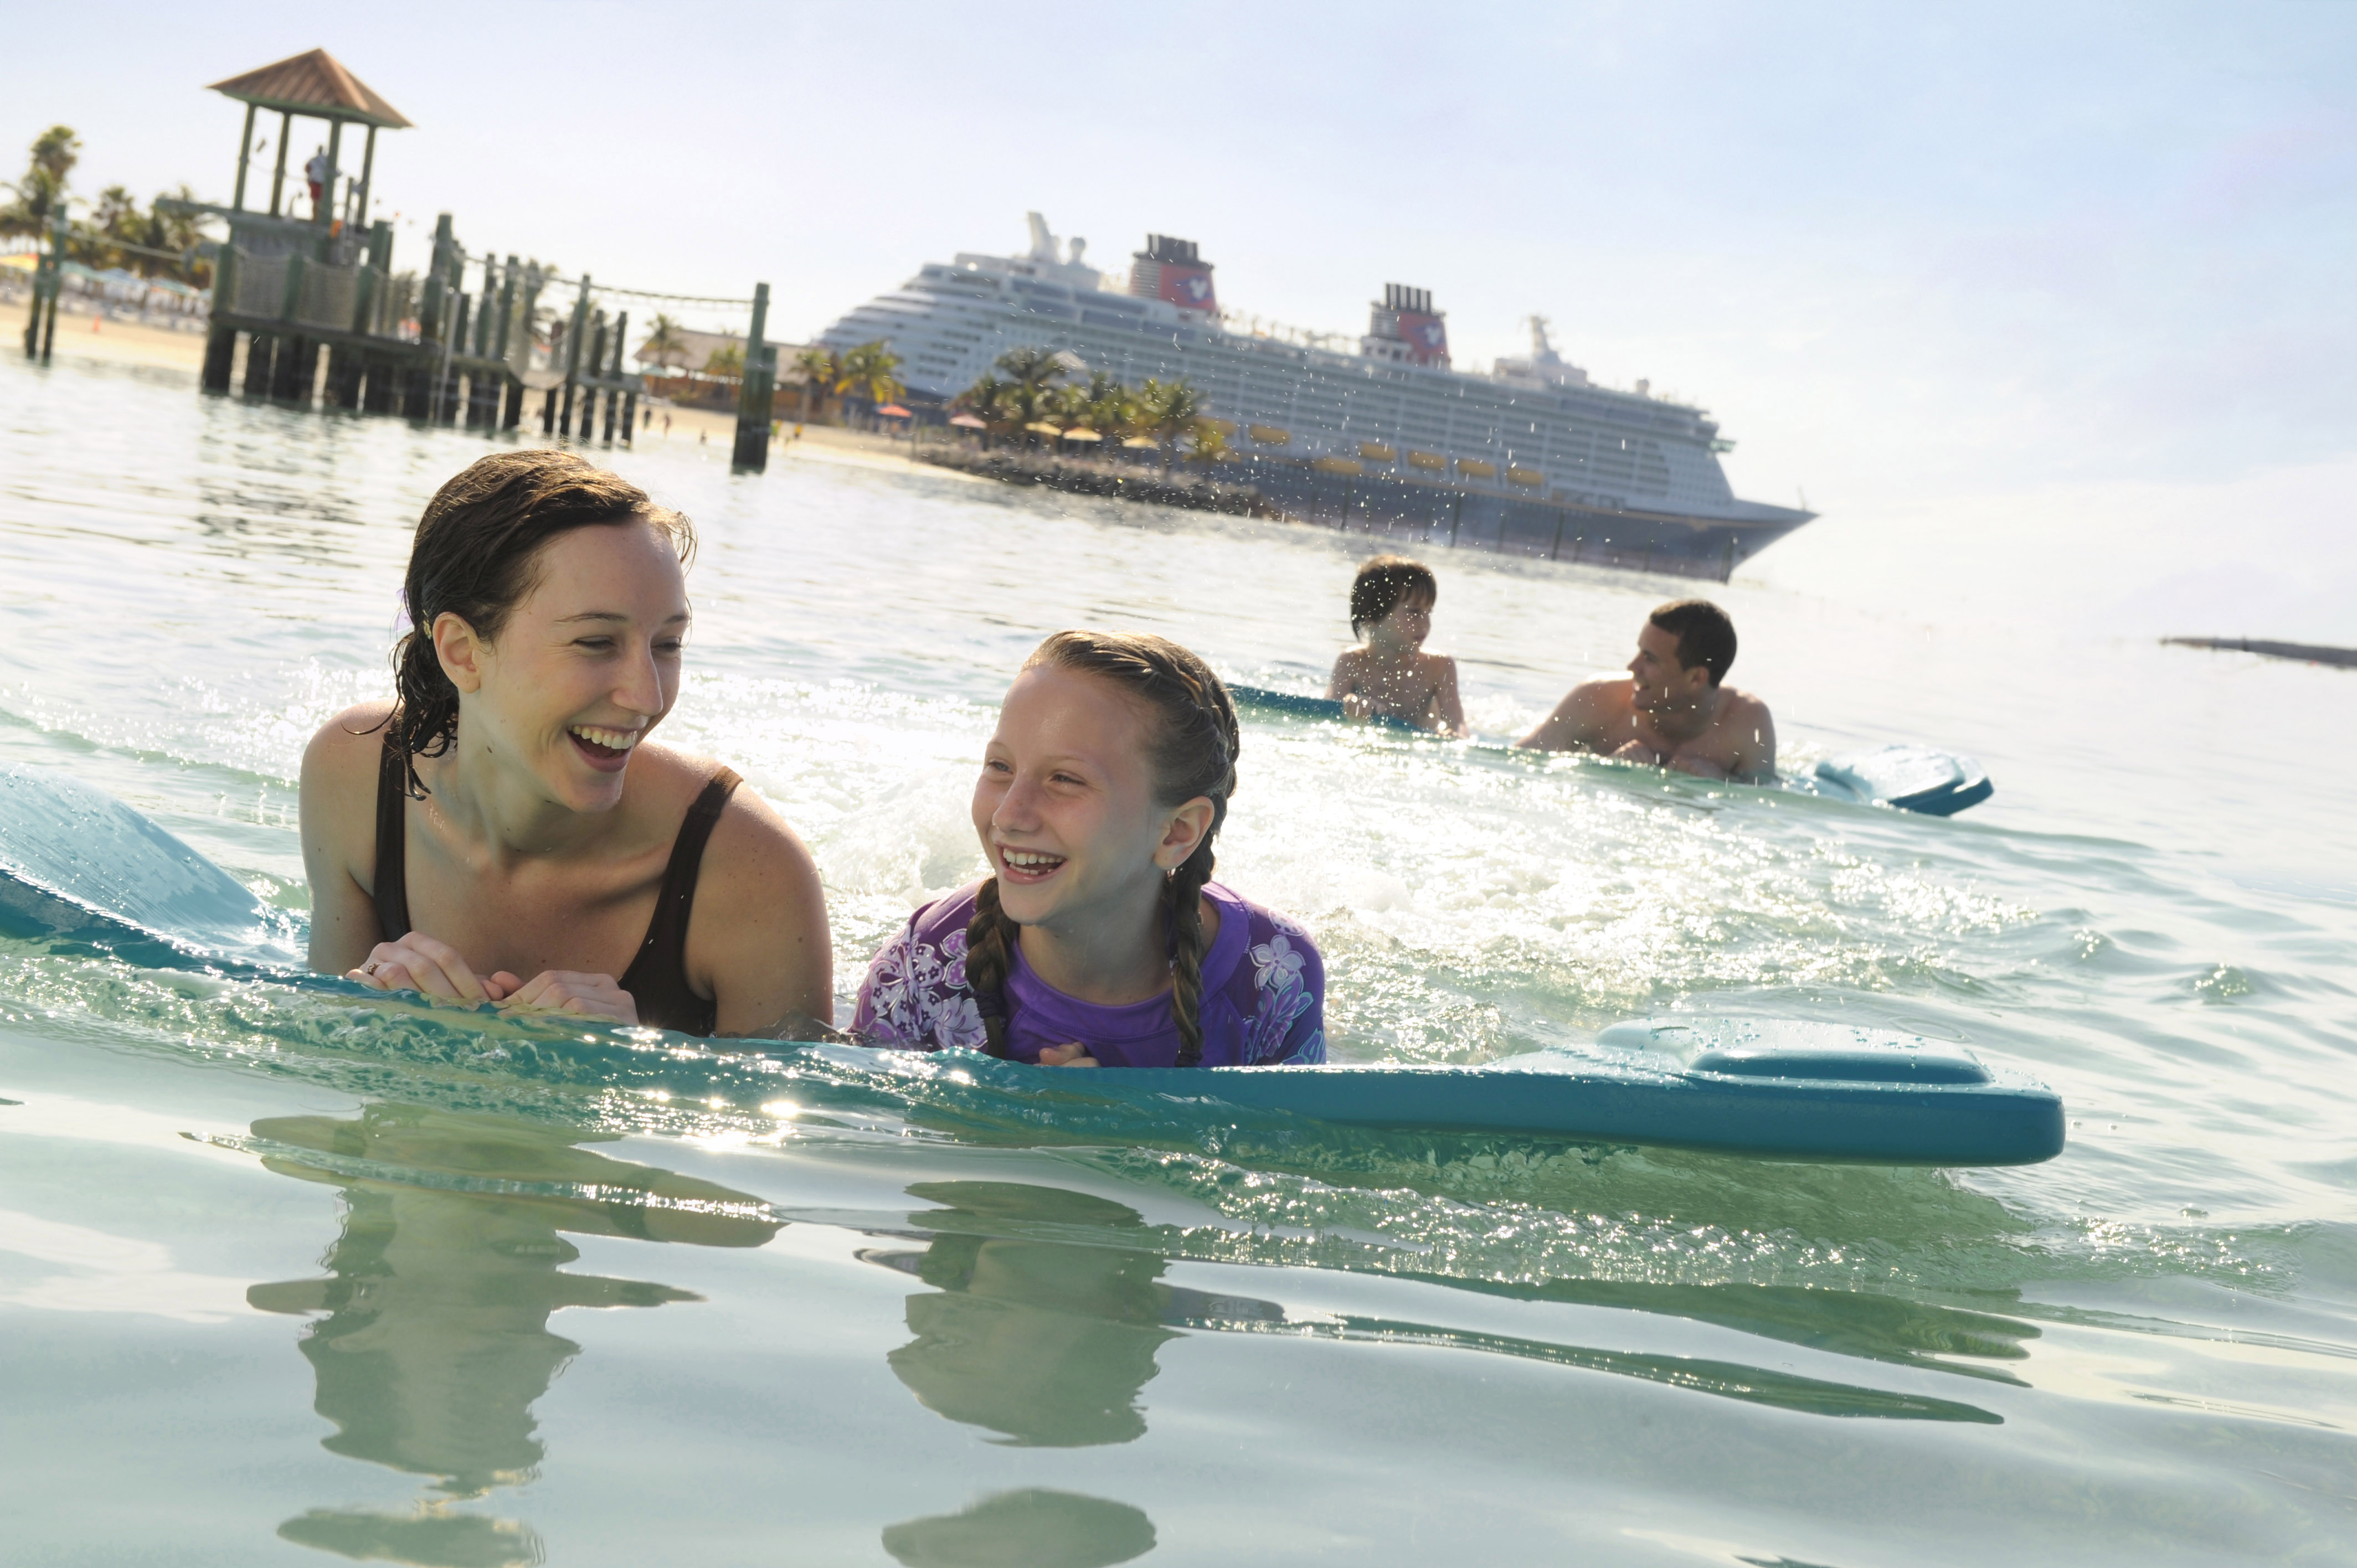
{"x":1100,"y":940}
{"x":1389,"y":676}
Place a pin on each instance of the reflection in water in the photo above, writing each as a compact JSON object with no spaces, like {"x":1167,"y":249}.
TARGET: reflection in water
{"x":1045,"y":1341}
{"x":1891,"y":1329}
{"x":1035,"y":1528}
{"x":436,"y":1341}
{"x":1052,"y":1309}
{"x":430,"y":1537}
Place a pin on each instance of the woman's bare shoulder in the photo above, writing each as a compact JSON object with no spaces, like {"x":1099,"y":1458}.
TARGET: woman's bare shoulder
{"x":750,"y":826}
{"x":348,"y":745}
{"x":757,"y":870}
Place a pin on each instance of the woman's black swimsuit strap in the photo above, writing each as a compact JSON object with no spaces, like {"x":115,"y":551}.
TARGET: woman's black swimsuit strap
{"x":392,"y":842}
{"x":657,"y":978}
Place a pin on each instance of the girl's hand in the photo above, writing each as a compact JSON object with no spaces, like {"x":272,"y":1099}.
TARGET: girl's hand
{"x":584,"y":995}
{"x":1356,"y":706}
{"x":418,"y":963}
{"x":1071,"y":1055}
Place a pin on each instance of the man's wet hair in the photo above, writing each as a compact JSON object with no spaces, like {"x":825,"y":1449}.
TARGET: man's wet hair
{"x":1706,"y":637}
{"x":1383,"y":583}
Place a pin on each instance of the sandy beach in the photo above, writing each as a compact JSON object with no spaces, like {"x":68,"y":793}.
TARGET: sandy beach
{"x":113,"y":342}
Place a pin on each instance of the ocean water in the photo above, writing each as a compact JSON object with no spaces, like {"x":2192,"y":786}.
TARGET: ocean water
{"x":288,"y":1275}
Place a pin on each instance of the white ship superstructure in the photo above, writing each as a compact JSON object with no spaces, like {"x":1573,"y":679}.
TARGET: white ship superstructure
{"x":1534,"y":430}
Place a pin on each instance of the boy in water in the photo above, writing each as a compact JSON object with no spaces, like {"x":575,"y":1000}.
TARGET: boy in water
{"x":1389,"y":675}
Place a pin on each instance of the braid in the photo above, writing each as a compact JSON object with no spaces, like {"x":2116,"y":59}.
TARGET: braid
{"x":1193,"y":754}
{"x":989,"y":953}
{"x":1187,"y":945}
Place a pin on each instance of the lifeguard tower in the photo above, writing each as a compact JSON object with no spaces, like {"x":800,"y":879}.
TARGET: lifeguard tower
{"x":309,"y":270}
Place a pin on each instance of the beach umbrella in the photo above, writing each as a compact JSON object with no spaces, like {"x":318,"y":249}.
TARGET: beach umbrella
{"x":1041,"y":427}
{"x":1142,"y":444}
{"x":1078,"y":434}
{"x":968,"y":422}
{"x":893,"y":411}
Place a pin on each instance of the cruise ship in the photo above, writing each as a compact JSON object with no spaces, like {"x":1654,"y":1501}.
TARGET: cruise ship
{"x":1385,"y":434}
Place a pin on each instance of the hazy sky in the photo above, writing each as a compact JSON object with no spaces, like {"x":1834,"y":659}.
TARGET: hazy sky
{"x":2015,"y":269}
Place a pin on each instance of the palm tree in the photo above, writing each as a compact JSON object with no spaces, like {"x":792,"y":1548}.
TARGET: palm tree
{"x":987,"y":400}
{"x":727,"y":361}
{"x":1103,"y":405}
{"x":1034,"y":366}
{"x":820,"y":368}
{"x":1208,"y":445}
{"x":1171,"y":410}
{"x":117,"y":219}
{"x":868,"y":372}
{"x":54,"y":153}
{"x":1029,"y":395}
{"x":663,"y":344}
{"x":176,"y":231}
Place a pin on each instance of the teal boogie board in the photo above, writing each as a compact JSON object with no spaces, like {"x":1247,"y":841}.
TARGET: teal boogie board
{"x":76,"y":865}
{"x":76,"y":862}
{"x":1906,"y":778}
{"x":1780,"y":1088}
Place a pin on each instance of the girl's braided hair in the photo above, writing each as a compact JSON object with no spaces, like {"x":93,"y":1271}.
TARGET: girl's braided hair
{"x":475,"y":557}
{"x":1192,"y":748}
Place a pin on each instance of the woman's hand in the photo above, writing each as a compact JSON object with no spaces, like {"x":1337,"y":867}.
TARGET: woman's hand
{"x":418,"y":963}
{"x":1355,"y":705}
{"x":1073,"y":1054}
{"x":583,"y":995}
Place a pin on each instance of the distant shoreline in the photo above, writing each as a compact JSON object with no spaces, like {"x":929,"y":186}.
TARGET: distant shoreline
{"x":2310,"y":652}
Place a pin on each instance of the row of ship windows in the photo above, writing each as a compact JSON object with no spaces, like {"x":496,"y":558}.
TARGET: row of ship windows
{"x":1229,"y":390}
{"x":1124,"y":347}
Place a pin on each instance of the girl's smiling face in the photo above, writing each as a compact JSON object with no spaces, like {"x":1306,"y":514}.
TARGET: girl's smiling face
{"x":1065,"y":806}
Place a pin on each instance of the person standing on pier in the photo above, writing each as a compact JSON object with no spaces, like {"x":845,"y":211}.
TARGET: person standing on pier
{"x":318,"y":172}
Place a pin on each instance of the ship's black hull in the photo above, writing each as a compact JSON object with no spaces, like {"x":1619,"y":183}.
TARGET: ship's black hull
{"x":1470,"y":518}
{"x":1425,"y":514}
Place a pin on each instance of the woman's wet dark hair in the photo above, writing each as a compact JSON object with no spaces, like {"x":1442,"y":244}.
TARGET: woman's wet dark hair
{"x":474,"y":557}
{"x":1191,"y":748}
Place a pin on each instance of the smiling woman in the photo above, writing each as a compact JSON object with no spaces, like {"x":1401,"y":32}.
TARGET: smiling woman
{"x":507,"y":814}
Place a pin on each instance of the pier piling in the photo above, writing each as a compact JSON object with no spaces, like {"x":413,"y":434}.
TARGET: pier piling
{"x":752,"y":450}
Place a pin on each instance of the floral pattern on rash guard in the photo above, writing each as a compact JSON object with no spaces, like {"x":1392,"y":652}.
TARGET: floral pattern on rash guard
{"x":1262,"y":1000}
{"x":1279,"y":966}
{"x":916,"y":994}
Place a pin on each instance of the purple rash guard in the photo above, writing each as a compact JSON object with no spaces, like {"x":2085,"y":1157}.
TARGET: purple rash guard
{"x":1264,"y":996}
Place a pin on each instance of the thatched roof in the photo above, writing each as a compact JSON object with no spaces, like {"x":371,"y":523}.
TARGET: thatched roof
{"x":314,"y":84}
{"x":695,"y":348}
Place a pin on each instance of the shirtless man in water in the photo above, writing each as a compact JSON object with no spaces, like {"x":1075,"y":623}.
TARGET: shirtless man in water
{"x":1669,"y":709}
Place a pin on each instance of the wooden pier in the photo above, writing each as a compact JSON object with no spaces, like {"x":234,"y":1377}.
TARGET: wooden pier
{"x":308,"y":297}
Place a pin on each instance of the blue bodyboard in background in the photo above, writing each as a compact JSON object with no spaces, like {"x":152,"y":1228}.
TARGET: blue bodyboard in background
{"x":1905,"y":778}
